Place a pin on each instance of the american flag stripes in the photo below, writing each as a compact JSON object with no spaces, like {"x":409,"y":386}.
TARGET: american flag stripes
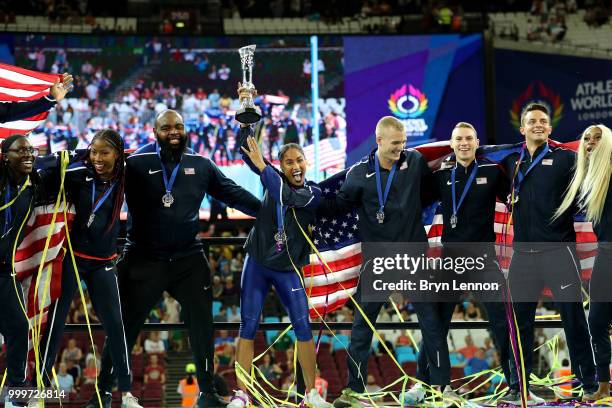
{"x":20,"y":85}
{"x":41,"y":290}
{"x":332,"y":153}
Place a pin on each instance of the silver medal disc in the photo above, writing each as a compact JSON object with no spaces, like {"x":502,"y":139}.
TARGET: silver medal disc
{"x":167,"y":199}
{"x":91,"y":219}
{"x":280,"y":237}
{"x":453,"y":221}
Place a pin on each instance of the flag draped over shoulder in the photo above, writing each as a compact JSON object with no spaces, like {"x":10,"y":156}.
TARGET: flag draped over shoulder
{"x":21,"y":85}
{"x":338,"y":241}
{"x":40,"y":291}
{"x":38,"y":259}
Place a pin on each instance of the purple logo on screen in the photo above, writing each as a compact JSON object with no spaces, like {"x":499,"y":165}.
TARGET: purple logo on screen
{"x":407,"y":102}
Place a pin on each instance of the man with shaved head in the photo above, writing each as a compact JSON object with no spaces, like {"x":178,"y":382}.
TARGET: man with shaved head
{"x":165,"y":185}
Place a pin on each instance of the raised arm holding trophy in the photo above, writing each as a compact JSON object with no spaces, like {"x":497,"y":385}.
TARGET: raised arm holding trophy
{"x":248,"y":112}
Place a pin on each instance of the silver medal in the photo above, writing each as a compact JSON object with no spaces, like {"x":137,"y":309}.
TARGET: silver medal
{"x":380,"y":216}
{"x":453,"y":221}
{"x":280,"y":237}
{"x":91,"y":219}
{"x":167,"y":199}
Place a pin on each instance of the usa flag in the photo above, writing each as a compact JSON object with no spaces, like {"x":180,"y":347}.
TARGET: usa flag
{"x":21,"y":85}
{"x":42,"y":289}
{"x":332,"y":153}
{"x":337,"y":239}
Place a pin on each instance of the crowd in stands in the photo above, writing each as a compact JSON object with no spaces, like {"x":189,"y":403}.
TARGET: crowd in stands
{"x":597,"y":13}
{"x":208,"y":110}
{"x":77,"y":370}
{"x":548,"y":21}
{"x":75,"y":12}
{"x":332,"y":10}
{"x":445,"y":15}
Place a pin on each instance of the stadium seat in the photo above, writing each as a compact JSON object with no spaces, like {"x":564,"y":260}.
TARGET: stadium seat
{"x":457,"y":372}
{"x":405,"y":354}
{"x":456,"y":359}
{"x":410,"y":368}
{"x":86,"y":391}
{"x":340,"y":342}
{"x":152,"y":395}
{"x":153,"y":386}
{"x":271,"y":334}
{"x":216,"y":307}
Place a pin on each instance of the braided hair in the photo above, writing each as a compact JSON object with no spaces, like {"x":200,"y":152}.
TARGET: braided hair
{"x":113,"y":139}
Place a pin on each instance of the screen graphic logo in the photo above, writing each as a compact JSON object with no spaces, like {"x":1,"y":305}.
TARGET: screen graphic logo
{"x":408,"y":104}
{"x":539,"y":93}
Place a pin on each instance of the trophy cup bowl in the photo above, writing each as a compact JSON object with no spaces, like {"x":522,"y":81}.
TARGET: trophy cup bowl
{"x":248,"y":115}
{"x":248,"y":112}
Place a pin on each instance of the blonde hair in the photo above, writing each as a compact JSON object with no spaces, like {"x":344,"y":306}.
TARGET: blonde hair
{"x":387,"y":122}
{"x":466,"y":125}
{"x":592,"y":172}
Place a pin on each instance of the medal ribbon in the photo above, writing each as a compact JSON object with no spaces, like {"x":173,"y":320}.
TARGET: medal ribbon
{"x":8,"y":216}
{"x":168,"y":184}
{"x":517,"y":183}
{"x":468,"y":184}
{"x":95,"y":205}
{"x":281,"y":210}
{"x":23,"y":187}
{"x":382,"y":200}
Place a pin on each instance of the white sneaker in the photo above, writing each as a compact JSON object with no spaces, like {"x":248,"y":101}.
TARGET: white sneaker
{"x":535,"y":400}
{"x":449,"y":395}
{"x":415,"y":395}
{"x":35,"y":403}
{"x":9,"y":404}
{"x":314,"y":400}
{"x":239,"y":400}
{"x":514,"y":398}
{"x":130,"y":401}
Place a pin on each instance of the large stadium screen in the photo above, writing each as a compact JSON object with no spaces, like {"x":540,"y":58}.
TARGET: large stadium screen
{"x":122,"y":82}
{"x":430,"y":82}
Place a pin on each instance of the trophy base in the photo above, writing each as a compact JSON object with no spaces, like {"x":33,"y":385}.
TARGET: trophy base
{"x":248,"y":115}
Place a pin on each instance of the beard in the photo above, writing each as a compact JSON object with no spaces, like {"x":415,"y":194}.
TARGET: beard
{"x":170,"y":153}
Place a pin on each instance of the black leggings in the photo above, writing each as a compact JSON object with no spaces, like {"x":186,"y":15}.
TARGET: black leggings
{"x":101,"y":280}
{"x":600,"y":313}
{"x":14,"y":328}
